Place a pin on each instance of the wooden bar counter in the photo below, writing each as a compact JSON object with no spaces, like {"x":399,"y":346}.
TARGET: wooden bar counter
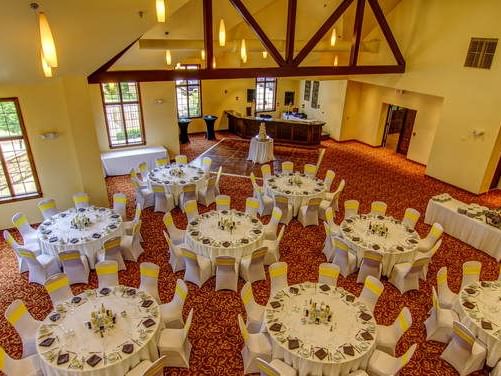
{"x":303,"y":132}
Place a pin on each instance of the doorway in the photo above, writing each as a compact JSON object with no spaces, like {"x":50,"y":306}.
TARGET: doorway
{"x":399,"y":128}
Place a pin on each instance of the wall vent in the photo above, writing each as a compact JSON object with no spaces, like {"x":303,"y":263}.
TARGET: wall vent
{"x":481,"y":52}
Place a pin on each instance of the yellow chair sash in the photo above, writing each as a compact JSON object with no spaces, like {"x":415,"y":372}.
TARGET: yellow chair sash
{"x":252,"y":203}
{"x":465,"y":336}
{"x":106,"y":269}
{"x":80,"y":199}
{"x":189,"y":254}
{"x":436,"y":232}
{"x":402,"y":320}
{"x":247,"y":295}
{"x":412,"y":215}
{"x":168,"y":220}
{"x":120,"y":199}
{"x":276,"y":272}
{"x":276,"y":215}
{"x":149,"y":271}
{"x":225,"y":261}
{"x":111,"y":244}
{"x":329,"y":271}
{"x":17,"y":313}
{"x":20,"y":221}
{"x":57,"y":284}
{"x":267,"y":370}
{"x":47,"y":205}
{"x":377,"y":290}
{"x":341,"y":245}
{"x":158,"y":189}
{"x":441,"y":277}
{"x":182,"y":293}
{"x":69,"y":256}
{"x":27,"y":254}
{"x":471,"y":270}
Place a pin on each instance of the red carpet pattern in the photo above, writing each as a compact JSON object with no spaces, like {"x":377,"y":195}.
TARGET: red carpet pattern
{"x":370,"y":174}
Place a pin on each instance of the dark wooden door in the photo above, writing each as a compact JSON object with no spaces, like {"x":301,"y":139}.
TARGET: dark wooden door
{"x":497,"y":176}
{"x":406,"y":132}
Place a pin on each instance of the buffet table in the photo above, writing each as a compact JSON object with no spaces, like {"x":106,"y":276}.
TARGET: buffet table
{"x":120,"y":162}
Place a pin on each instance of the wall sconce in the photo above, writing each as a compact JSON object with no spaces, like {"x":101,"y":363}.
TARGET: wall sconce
{"x":49,"y":135}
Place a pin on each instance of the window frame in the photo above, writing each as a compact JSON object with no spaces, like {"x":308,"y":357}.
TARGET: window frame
{"x":25,"y":138}
{"x":273,"y":80}
{"x":186,"y":86}
{"x":121,"y":104}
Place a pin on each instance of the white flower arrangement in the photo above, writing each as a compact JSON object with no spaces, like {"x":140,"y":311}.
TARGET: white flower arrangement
{"x":177,"y":172}
{"x":295,"y":180}
{"x":226,"y":223}
{"x":102,"y":321}
{"x":80,"y":221}
{"x":378,"y":229}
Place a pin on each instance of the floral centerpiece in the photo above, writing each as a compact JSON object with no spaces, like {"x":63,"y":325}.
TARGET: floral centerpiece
{"x":295,"y":180}
{"x":493,"y":217}
{"x":177,"y":172}
{"x":314,"y":313}
{"x":376,"y":228}
{"x":226,"y":223}
{"x":102,"y":321}
{"x":80,"y":221}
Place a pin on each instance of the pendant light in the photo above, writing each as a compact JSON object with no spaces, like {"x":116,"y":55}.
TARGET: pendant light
{"x":160,"y":5}
{"x":222,"y":33}
{"x":168,"y":57}
{"x":47,"y":70}
{"x":333,"y":37}
{"x":243,"y":51}
{"x":202,"y":54}
{"x":48,"y":45}
{"x":265,"y":54}
{"x":335,"y":61}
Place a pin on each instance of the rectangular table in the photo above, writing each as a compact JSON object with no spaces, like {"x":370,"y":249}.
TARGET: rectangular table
{"x":120,"y":162}
{"x":473,"y":231}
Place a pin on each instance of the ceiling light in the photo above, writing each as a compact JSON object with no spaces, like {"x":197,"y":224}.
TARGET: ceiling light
{"x":243,"y":51}
{"x":202,"y":54}
{"x":48,"y":45}
{"x":222,"y":33}
{"x":335,"y":61}
{"x":47,"y":70}
{"x":168,"y":57}
{"x":160,"y":10}
{"x":265,"y":54}
{"x":214,"y":62}
{"x":333,"y":37}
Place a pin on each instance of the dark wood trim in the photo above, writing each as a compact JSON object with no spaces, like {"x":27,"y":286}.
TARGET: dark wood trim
{"x":308,"y":47}
{"x":357,"y":32}
{"x":291,"y":31}
{"x":208,"y":37}
{"x":251,"y":21}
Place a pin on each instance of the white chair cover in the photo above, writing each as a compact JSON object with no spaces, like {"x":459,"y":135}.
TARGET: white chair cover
{"x":149,"y":279}
{"x":75,"y":266}
{"x":164,"y":201}
{"x":405,"y":275}
{"x":172,"y":313}
{"x":371,"y":265}
{"x":29,"y":234}
{"x":107,"y":273}
{"x":22,"y":264}
{"x":388,"y":336}
{"x":310,"y":170}
{"x":26,"y":326}
{"x":131,"y":244}
{"x":383,"y":364}
{"x":275,"y":368}
{"x":144,"y":196}
{"x":198,"y":268}
{"x":471,"y":273}
{"x":446,"y":297}
{"x":270,"y":229}
{"x":81,"y":200}
{"x":161,"y":162}
{"x":28,"y":366}
{"x":373,"y":288}
{"x":191,"y":210}
{"x":223,"y":202}
{"x":439,"y":323}
{"x":378,"y":208}
{"x":266,"y":171}
{"x":175,"y":345}
{"x":282,"y":203}
{"x":411,"y":217}
{"x":207,"y":195}
{"x":181,"y":159}
{"x":287,"y":167}
{"x":176,"y":259}
{"x":206,"y":163}
{"x":278,"y":277}
{"x":254,"y":311}
{"x":256,"y":345}
{"x":58,"y":288}
{"x":427,"y":243}
{"x":273,"y":246}
{"x":218,"y":178}
{"x":251,"y":206}
{"x":346,"y":261}
{"x":252,"y":266}
{"x":328,"y":273}
{"x":47,"y":207}
{"x":189,"y":193}
{"x":113,"y":251}
{"x":120,"y":205}
{"x":40,"y":267}
{"x":329,"y":179}
{"x":176,"y":234}
{"x":308,"y":214}
{"x":226,"y":273}
{"x":351,"y":208}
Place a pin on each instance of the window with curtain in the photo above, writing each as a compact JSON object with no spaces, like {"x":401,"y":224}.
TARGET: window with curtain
{"x":266,"y":89}
{"x":122,"y":110}
{"x":18,"y":177}
{"x":188,"y":95}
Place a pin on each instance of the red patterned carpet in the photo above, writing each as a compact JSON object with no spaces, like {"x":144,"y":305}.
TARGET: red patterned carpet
{"x":370,"y":174}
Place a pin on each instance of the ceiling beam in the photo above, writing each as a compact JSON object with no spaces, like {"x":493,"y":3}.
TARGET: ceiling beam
{"x":357,"y":32}
{"x":251,"y":21}
{"x":208,"y":37}
{"x":291,"y":31}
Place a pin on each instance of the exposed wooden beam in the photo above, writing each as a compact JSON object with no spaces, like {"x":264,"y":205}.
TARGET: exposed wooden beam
{"x":291,"y":31}
{"x":208,"y":38}
{"x":381,"y":19}
{"x":251,"y":21}
{"x":357,"y":32}
{"x":329,"y":23}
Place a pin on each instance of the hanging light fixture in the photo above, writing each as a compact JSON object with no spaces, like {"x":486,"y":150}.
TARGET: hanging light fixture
{"x":222,"y":33}
{"x":48,"y":45}
{"x":47,"y":70}
{"x":333,"y":37}
{"x":213,"y":62}
{"x":202,"y":54}
{"x":168,"y":57}
{"x":265,"y":54}
{"x":335,"y":61}
{"x":243,"y":51}
{"x":160,"y":5}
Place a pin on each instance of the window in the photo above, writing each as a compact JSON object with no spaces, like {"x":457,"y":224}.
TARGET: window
{"x":188,"y":94}
{"x":122,"y":110}
{"x":480,"y":53}
{"x":18,"y":177}
{"x":266,"y":89}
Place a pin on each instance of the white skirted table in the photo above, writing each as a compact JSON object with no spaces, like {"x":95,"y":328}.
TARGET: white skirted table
{"x":261,"y":150}
{"x":298,"y":188}
{"x":473,"y":230}
{"x":396,"y":243}
{"x":120,"y":162}
{"x":68,"y":347}
{"x":85,"y":230}
{"x":334,"y":345}
{"x":479,"y":308}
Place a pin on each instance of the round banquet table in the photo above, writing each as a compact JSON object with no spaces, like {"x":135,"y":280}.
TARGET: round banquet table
{"x":298,"y":192}
{"x":332,"y":348}
{"x":261,"y":151}
{"x":132,"y":339}
{"x":480,"y":310}
{"x":175,"y":176}
{"x":205,"y":237}
{"x":399,"y":245}
{"x":57,"y":235}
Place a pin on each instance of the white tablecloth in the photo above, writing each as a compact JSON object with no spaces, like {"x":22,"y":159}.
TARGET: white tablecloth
{"x":472,"y":231}
{"x":344,"y":334}
{"x":82,"y":343}
{"x":120,"y":162}
{"x":261,"y":151}
{"x":56,"y":235}
{"x":482,"y":314}
{"x":298,"y":194}
{"x":399,"y":245}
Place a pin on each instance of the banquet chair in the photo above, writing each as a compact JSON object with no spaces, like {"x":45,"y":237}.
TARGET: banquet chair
{"x":28,"y":233}
{"x":274,"y":368}
{"x":439,"y":324}
{"x":206,"y":163}
{"x":373,"y":288}
{"x":26,"y":326}
{"x":40,"y":267}
{"x":251,"y":206}
{"x":198,"y":268}
{"x":329,"y":219}
{"x":22,"y":264}
{"x":161,"y":162}
{"x":328,"y":249}
{"x":310,"y":170}
{"x":181,"y":159}
{"x":191,"y":210}
{"x":145,"y":197}
{"x":388,"y":336}
{"x":131,"y":244}
{"x":383,"y":364}
{"x":278,"y":277}
{"x":171,"y":313}
{"x":207,"y":194}
{"x":218,"y":179}
{"x":265,"y":204}
{"x":436,"y":231}
{"x":189,"y":192}
{"x":253,"y":310}
{"x":256,"y":345}
{"x":266,"y":171}
{"x":252,"y":266}
{"x":329,"y":179}
{"x":446,"y":297}
{"x":28,"y":366}
{"x":346,"y":261}
{"x":112,"y":250}
{"x":287,"y":167}
{"x":164,"y":201}
{"x":81,"y":200}
{"x":328,"y":273}
{"x":226,"y":273}
{"x":405,"y":276}
{"x":256,"y":187}
{"x":308,"y":214}
{"x":107,"y":273}
{"x":75,"y":266}
{"x":429,"y":255}
{"x":176,"y":234}
{"x":141,"y":180}
{"x":351,"y":208}
{"x":471,"y":273}
{"x":223,"y":202}
{"x":411,"y":217}
{"x":120,"y":205}
{"x":372,"y":264}
{"x":143,"y":169}
{"x":270,"y":229}
{"x":176,"y":259}
{"x":378,"y":208}
{"x":149,"y":279}
{"x":47,"y":207}
{"x":273,"y":246}
{"x":130,"y":224}
{"x":320,"y":158}
{"x":58,"y":288}
{"x":333,"y":198}
{"x":148,"y":368}
{"x":175,"y":345}
{"x":464,"y":352}
{"x":282,"y":202}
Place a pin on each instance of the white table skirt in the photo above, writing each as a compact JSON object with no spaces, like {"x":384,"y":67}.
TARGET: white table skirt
{"x":261,"y":151}
{"x":120,"y":162}
{"x":471,"y":231}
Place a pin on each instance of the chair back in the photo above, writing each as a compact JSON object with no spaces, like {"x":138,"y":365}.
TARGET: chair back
{"x":181,"y":159}
{"x":58,"y":288}
{"x":138,"y":212}
{"x":247,"y":297}
{"x":435,"y":233}
{"x":20,"y":221}
{"x":351,"y":208}
{"x":47,"y":207}
{"x":71,"y":259}
{"x":157,"y":368}
{"x":158,"y":190}
{"x":143,"y":169}
{"x":329,"y":179}
{"x":278,"y":276}
{"x":280,"y":235}
{"x":418,"y":265}
{"x":187,"y":324}
{"x":328,"y":273}
{"x":403,"y":322}
{"x":276,"y":216}
{"x":81,"y":200}
{"x":120,"y":205}
{"x":206,"y":163}
{"x":149,"y":279}
{"x":161,"y":162}
{"x":442,"y":284}
{"x":310,"y":169}
{"x":411,"y":217}
{"x":218,"y":176}
{"x":251,"y":206}
{"x":257,"y":256}
{"x":314,"y":203}
{"x":471,"y":272}
{"x":223,"y":202}
{"x":112,"y":245}
{"x":406,"y":357}
{"x":282,"y":202}
{"x":462,"y":336}
{"x":266,"y":369}
{"x":373,"y":288}
{"x":180,"y":293}
{"x":133,"y":174}
{"x":225,"y":263}
{"x":338,"y":191}
{"x":107,"y":273}
{"x":329,"y":216}
{"x":287,"y":167}
{"x":243,"y":329}
{"x":169,"y":223}
{"x":341,"y":248}
{"x":191,"y":209}
{"x":10,"y":240}
{"x":378,"y":208}
{"x":320,"y":158}
{"x":30,"y":257}
{"x":18,"y":316}
{"x":266,"y":171}
{"x":435,"y":301}
{"x":372,"y":258}
{"x":190,"y":259}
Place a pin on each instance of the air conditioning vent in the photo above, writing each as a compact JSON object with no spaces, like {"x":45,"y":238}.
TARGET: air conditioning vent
{"x":481,"y":52}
